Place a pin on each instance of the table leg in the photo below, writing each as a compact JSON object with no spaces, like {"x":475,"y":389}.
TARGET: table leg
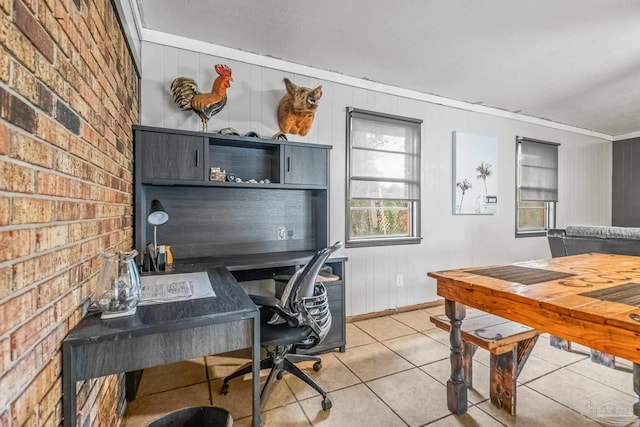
{"x":636,"y":388}
{"x":256,"y":370}
{"x":456,"y":387}
{"x":68,"y":387}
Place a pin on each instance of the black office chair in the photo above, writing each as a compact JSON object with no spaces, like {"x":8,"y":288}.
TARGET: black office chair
{"x":299,"y":320}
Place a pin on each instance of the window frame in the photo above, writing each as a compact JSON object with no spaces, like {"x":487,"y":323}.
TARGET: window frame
{"x":549,"y":206}
{"x":414,"y":236}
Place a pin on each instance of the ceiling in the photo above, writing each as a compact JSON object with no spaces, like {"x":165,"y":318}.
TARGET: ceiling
{"x":575,"y":62}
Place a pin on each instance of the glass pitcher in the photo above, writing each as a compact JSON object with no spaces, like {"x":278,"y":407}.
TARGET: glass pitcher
{"x":119,"y":286}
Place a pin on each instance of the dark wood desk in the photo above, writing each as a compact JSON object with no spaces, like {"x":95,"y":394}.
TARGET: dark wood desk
{"x":592,"y":299}
{"x":161,"y":334}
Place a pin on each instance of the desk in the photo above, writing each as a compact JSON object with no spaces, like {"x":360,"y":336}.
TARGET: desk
{"x":161,"y":334}
{"x":592,"y":299}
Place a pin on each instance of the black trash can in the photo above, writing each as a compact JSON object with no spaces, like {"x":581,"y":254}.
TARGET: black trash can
{"x":200,"y":416}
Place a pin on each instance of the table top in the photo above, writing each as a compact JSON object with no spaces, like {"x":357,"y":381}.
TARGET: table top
{"x":229,"y":303}
{"x":580,"y":297}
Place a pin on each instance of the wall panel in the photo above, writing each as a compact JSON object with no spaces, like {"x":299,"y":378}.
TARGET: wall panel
{"x":448,"y":240}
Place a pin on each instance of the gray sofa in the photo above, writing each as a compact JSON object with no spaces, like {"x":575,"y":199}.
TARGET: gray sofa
{"x":581,"y":239}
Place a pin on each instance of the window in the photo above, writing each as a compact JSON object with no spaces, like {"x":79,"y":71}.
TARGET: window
{"x":537,"y":186}
{"x":383,"y":191}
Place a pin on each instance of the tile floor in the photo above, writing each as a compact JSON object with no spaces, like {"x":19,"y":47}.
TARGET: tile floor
{"x":394,"y":374}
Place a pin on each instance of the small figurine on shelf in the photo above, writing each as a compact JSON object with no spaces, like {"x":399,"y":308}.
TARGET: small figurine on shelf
{"x":188,"y":96}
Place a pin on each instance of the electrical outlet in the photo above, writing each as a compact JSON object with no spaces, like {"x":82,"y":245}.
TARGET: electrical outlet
{"x":399,"y":280}
{"x":281,"y":233}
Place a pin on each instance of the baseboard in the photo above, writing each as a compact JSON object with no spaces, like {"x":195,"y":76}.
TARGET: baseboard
{"x":397,"y":310}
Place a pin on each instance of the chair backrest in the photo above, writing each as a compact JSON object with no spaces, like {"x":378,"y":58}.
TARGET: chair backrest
{"x":305,"y":300}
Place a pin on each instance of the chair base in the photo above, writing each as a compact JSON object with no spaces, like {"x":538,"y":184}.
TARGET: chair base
{"x":278,"y":364}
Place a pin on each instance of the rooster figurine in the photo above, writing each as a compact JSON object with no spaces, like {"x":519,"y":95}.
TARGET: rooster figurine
{"x":205,"y":105}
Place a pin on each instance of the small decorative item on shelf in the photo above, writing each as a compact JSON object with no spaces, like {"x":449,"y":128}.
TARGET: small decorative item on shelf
{"x":231,"y":177}
{"x":217,"y":175}
{"x":119,"y":287}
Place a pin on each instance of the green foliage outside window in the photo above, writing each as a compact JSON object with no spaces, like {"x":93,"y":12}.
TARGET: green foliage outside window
{"x":372,"y":218}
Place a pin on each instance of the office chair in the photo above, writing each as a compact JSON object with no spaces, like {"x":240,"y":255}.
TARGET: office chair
{"x":299,"y":320}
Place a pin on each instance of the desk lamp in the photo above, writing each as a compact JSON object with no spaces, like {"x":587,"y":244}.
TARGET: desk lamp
{"x":157,"y":216}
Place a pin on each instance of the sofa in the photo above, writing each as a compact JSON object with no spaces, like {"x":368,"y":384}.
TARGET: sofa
{"x":580,"y":239}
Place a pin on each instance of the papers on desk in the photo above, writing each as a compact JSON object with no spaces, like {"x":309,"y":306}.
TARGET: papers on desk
{"x":175,"y":287}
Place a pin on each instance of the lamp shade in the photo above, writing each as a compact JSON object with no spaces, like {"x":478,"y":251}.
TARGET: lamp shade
{"x":157,"y":214}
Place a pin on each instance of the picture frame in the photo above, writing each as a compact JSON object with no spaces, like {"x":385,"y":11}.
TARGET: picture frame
{"x":475,"y":170}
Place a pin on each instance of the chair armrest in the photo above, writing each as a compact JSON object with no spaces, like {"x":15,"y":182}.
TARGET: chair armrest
{"x":264,"y":301}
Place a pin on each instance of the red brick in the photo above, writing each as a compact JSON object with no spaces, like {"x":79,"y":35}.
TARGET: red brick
{"x":24,"y":408}
{"x":5,"y":65}
{"x":67,"y":211}
{"x":4,"y":418}
{"x":66,"y":306}
{"x":49,"y":407}
{"x":30,"y":150}
{"x":16,"y":43}
{"x":17,"y":112}
{"x":52,"y":289}
{"x":23,"y":179}
{"x":32,"y":331}
{"x":25,"y":83}
{"x":49,"y":237}
{"x":4,"y":139}
{"x":5,"y":354}
{"x":14,"y":244}
{"x":51,"y":77}
{"x":27,"y":210}
{"x":52,"y":132}
{"x":50,"y":347}
{"x":16,"y":378}
{"x":6,"y":279}
{"x":24,"y":274}
{"x":15,"y":311}
{"x":26,"y":22}
{"x":5,"y":211}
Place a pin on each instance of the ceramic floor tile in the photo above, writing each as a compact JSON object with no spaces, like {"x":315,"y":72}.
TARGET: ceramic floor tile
{"x":536,"y":410}
{"x":143,"y":410}
{"x":384,"y":328}
{"x":333,"y":376}
{"x":413,"y":395}
{"x":220,"y":366}
{"x":474,"y":417}
{"x":441,"y":371}
{"x":355,"y":406}
{"x":285,"y":416}
{"x":418,"y":349}
{"x":175,"y":375}
{"x":373,"y":361}
{"x":535,"y":368}
{"x":590,"y":398}
{"x":438,"y":335}
{"x":357,"y":337}
{"x":238,"y":400}
{"x":556,"y":356}
{"x":436,"y":309}
{"x":416,"y":319}
{"x":620,"y":378}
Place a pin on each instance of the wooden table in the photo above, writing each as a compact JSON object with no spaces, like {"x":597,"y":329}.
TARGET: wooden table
{"x":161,"y":334}
{"x":592,"y":299}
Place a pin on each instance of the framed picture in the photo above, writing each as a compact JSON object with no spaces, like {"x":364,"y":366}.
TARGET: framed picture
{"x":475,"y":181}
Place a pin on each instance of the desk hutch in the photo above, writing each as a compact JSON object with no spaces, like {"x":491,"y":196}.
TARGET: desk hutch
{"x":257,"y":230}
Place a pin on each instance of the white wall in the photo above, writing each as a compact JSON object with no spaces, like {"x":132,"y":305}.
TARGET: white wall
{"x":448,"y":240}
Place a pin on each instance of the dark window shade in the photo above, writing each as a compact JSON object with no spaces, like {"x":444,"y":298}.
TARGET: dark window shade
{"x":538,"y":171}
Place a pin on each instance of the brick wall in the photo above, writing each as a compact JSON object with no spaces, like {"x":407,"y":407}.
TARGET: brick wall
{"x":68,"y":98}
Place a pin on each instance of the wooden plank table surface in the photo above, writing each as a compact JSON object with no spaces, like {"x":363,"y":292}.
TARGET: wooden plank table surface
{"x":591,"y":299}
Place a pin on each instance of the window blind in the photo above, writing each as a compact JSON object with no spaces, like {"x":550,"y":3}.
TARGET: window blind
{"x":538,"y":170}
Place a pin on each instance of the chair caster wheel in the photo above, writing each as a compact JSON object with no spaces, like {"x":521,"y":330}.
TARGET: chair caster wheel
{"x":316,"y":367}
{"x":224,"y":389}
{"x":279,"y":375}
{"x":326,"y":404}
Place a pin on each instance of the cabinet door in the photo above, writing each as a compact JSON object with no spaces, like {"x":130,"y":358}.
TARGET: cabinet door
{"x":305,"y":165}
{"x":172,"y":157}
